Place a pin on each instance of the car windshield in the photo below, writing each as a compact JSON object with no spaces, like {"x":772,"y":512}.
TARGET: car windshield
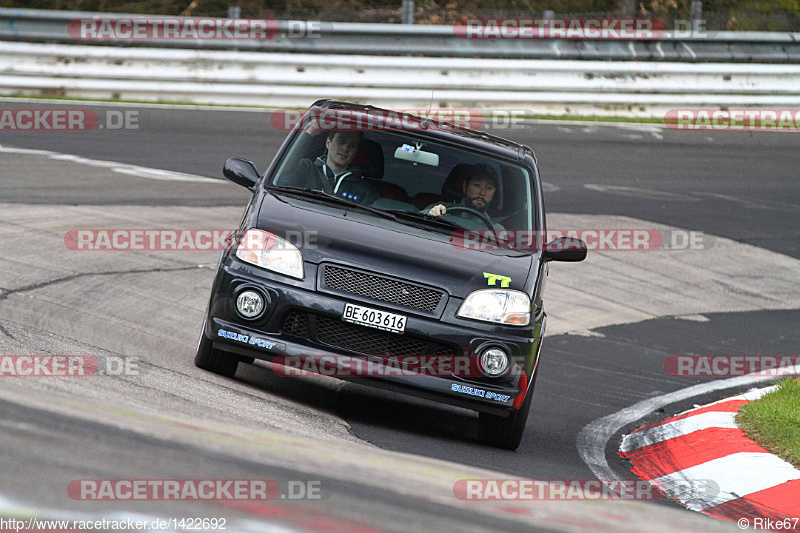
{"x":408,"y":175}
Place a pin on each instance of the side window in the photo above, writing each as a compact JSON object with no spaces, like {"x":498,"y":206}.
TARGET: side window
{"x":305,"y":147}
{"x":516,"y":207}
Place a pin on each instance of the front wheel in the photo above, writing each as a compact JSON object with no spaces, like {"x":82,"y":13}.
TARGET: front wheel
{"x":505,"y":432}
{"x":214,"y":360}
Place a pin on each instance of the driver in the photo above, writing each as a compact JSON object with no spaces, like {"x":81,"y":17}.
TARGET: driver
{"x":479,"y":190}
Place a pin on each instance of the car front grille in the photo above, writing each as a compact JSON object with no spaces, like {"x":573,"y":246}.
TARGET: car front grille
{"x":296,"y":324}
{"x":358,"y":339}
{"x":379,"y":288}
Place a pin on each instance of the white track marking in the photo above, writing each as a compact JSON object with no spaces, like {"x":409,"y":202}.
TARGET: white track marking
{"x":635,"y":191}
{"x":121,"y":168}
{"x":751,"y":204}
{"x":676,"y":428}
{"x":750,"y":395}
{"x":592,"y":439}
{"x":691,"y":424}
{"x":694,"y":318}
{"x":736,"y":475}
{"x":645,"y":127}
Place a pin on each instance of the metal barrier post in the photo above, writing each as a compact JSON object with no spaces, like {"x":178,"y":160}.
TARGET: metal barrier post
{"x":408,"y":12}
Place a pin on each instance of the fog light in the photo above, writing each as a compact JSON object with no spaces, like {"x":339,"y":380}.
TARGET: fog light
{"x":249,"y":304}
{"x":494,"y":361}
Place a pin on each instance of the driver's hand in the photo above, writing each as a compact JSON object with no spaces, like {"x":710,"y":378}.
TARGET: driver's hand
{"x":438,"y":210}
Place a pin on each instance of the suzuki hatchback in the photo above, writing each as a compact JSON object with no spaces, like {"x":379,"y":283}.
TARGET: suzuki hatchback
{"x":393,"y":251}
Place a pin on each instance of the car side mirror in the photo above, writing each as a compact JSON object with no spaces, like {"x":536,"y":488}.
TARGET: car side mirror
{"x":241,"y":172}
{"x":565,"y":249}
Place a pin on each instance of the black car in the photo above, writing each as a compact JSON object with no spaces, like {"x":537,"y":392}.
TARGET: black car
{"x":342,"y":266}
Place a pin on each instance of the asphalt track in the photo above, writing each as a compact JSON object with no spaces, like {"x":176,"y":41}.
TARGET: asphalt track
{"x":741,"y":185}
{"x":736,"y":186}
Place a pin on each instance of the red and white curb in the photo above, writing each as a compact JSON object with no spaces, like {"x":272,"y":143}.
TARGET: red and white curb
{"x":702,"y":459}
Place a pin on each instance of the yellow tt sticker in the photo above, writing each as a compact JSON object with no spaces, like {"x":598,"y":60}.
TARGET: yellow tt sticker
{"x":494,"y":278}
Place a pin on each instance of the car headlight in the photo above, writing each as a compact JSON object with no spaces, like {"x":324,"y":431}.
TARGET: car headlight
{"x":497,"y":305}
{"x":267,"y":250}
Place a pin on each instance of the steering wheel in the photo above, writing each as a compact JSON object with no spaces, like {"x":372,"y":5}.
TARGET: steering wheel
{"x":482,"y":216}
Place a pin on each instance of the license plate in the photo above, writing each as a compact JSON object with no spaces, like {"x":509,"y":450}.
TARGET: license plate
{"x":374,"y":318}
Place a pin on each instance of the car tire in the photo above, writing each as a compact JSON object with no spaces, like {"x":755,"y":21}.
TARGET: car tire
{"x":214,"y":360}
{"x":505,"y":432}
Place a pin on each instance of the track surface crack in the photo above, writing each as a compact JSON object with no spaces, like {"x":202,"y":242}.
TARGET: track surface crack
{"x":8,"y":292}
{"x":5,"y":332}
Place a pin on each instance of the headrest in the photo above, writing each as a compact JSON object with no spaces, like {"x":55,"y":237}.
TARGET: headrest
{"x":453,"y":187}
{"x":424,"y":199}
{"x":392,"y":191}
{"x":370,"y":159}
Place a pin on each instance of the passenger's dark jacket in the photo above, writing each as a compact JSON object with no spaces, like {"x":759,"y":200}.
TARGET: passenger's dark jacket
{"x":318,"y":175}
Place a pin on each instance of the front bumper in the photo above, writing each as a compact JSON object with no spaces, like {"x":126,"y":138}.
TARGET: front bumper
{"x":267,"y":337}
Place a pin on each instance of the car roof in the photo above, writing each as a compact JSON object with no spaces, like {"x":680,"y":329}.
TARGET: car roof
{"x":480,"y":140}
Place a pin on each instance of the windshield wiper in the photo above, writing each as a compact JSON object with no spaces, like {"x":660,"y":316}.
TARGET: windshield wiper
{"x":439,"y":223}
{"x":423,"y":217}
{"x":322,"y":195}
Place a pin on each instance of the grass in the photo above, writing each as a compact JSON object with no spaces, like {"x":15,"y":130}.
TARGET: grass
{"x":774,"y":421}
{"x":574,"y":118}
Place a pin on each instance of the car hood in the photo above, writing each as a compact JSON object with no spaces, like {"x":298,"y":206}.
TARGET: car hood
{"x":364,"y":241}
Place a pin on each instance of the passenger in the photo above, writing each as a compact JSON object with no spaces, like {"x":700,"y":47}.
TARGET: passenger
{"x":333,"y":172}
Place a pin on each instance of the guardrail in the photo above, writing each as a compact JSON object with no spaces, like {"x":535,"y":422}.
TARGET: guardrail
{"x":398,"y":39}
{"x":294,"y":80}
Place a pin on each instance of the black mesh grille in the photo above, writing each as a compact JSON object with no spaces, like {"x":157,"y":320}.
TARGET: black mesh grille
{"x":440,"y":349}
{"x":296,"y":324}
{"x":366,"y":340}
{"x":360,"y":339}
{"x":383,"y":289}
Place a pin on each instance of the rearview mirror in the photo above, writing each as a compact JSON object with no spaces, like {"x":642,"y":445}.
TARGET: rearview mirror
{"x":408,"y":152}
{"x":241,"y":172}
{"x":565,"y":249}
